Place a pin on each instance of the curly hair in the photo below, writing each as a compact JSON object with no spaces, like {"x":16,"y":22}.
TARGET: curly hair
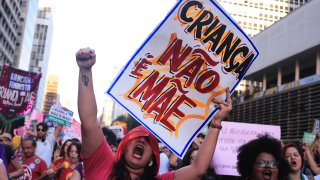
{"x":251,"y":150}
{"x":297,"y":147}
{"x":120,"y":172}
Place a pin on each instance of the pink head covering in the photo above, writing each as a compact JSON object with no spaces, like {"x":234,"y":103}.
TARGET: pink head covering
{"x":139,"y":131}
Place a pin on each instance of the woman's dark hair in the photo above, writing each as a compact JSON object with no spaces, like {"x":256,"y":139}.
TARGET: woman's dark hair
{"x":63,"y":146}
{"x":186,"y":158}
{"x":78,"y":146}
{"x":110,"y":136}
{"x":298,"y":148}
{"x":251,"y":150}
{"x":120,"y":172}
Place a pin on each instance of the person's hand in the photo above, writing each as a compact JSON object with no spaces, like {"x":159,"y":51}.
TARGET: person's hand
{"x":49,"y":172}
{"x":305,"y":148}
{"x":317,"y":136}
{"x":56,"y":155}
{"x":86,"y":58}
{"x":224,"y":108}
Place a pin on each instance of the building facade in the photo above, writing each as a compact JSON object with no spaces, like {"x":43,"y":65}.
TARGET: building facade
{"x":51,"y":94}
{"x":256,"y":15}
{"x":10,"y":15}
{"x":21,"y":59}
{"x":288,"y":70}
{"x":41,"y":50}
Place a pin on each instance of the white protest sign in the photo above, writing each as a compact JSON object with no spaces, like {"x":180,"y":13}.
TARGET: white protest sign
{"x":118,"y":131}
{"x":60,"y":115}
{"x":189,"y":59}
{"x":231,"y":137}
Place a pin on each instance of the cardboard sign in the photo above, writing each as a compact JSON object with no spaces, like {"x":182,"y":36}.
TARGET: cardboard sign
{"x":60,"y":115}
{"x":189,"y":59}
{"x":231,"y":137}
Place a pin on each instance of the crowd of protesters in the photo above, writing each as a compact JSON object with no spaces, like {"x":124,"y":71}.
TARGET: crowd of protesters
{"x":139,"y":155}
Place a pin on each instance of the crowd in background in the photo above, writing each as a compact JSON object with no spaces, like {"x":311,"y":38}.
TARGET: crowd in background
{"x":43,"y":157}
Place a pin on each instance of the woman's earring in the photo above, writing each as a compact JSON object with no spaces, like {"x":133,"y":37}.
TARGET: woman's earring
{"x":150,"y":163}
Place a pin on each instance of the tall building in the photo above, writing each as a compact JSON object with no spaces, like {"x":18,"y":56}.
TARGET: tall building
{"x":256,"y":15}
{"x":117,"y":111}
{"x":288,"y":68}
{"x":10,"y":27}
{"x":51,"y":94}
{"x":107,"y":112}
{"x":253,"y":16}
{"x":41,"y":50}
{"x":23,"y":47}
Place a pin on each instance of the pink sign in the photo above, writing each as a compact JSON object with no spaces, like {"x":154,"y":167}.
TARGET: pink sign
{"x":231,"y":137}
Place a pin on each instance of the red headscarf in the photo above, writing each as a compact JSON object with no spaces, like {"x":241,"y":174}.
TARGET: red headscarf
{"x":140,"y":131}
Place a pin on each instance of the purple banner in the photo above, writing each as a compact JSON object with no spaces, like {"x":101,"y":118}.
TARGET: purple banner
{"x":18,"y":90}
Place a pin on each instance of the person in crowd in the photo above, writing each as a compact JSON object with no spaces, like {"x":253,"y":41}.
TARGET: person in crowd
{"x":8,"y":157}
{"x":111,"y":138}
{"x":175,"y":162}
{"x":3,"y":171}
{"x":261,"y":159}
{"x":30,"y":161}
{"x":311,"y":161}
{"x":165,"y":154}
{"x":6,"y":138}
{"x":295,"y":157}
{"x":73,"y":152}
{"x":45,"y":141}
{"x":78,"y":172}
{"x":138,"y":152}
{"x":60,"y":156}
{"x":188,"y":159}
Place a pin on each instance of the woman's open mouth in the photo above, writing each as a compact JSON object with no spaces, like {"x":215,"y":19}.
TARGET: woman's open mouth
{"x":138,"y":151}
{"x":267,"y":174}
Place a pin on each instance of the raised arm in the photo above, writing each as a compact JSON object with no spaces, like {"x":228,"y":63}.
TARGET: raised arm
{"x":92,"y":135}
{"x":312,"y":163}
{"x":200,"y":165}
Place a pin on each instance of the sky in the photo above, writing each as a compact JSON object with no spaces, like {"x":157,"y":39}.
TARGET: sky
{"x":114,"y":29}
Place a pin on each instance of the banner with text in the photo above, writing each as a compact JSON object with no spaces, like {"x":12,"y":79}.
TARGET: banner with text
{"x":189,"y":59}
{"x":231,"y":137}
{"x":18,"y":91}
{"x":60,"y":115}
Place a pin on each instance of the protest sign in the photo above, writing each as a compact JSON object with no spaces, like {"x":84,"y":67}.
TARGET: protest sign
{"x":18,"y":90}
{"x":308,"y":138}
{"x":60,"y":115}
{"x":190,"y":58}
{"x":316,"y":126}
{"x":118,"y":131}
{"x":231,"y":137}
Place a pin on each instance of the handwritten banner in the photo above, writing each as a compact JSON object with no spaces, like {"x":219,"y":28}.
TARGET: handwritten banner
{"x":18,"y":90}
{"x":231,"y":137}
{"x":189,"y":59}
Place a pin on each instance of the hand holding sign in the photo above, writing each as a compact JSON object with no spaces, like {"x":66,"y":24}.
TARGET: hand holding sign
{"x":224,"y":108}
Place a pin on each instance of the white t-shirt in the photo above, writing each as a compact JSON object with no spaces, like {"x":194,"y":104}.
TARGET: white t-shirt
{"x":164,"y":163}
{"x":45,"y":149}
